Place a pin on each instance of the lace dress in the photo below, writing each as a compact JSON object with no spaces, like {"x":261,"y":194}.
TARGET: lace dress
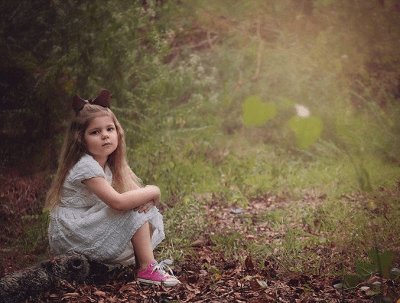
{"x":84,"y":224}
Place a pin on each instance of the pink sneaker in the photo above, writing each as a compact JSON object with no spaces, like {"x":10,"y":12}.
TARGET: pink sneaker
{"x":155,"y":274}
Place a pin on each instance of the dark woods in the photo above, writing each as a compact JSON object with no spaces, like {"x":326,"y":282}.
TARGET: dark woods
{"x":29,"y":102}
{"x":49,"y":50}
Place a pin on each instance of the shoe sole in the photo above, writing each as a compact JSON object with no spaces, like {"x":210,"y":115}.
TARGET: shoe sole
{"x":151,"y":282}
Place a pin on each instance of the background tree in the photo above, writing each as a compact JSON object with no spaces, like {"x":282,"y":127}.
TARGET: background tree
{"x":51,"y":50}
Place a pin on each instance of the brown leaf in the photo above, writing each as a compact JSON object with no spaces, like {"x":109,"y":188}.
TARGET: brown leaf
{"x":254,"y":285}
{"x":112,"y":299}
{"x":126,"y":287}
{"x":258,"y":300}
{"x":194,"y":290}
{"x":99,"y":293}
{"x":248,"y":263}
{"x":71,"y":295}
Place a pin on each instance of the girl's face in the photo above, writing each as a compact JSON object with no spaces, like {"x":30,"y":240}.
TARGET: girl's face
{"x":101,"y":138}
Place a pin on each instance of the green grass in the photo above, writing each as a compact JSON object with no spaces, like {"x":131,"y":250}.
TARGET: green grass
{"x":320,"y":218}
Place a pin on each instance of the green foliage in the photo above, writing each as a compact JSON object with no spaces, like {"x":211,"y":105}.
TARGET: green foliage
{"x":69,"y":48}
{"x":383,"y":262}
{"x":35,"y":235}
{"x":378,"y":262}
{"x":230,"y":242}
{"x":184,"y":220}
{"x":351,"y":281}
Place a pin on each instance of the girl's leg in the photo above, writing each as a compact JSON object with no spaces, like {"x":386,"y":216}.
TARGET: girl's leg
{"x":141,"y":242}
{"x":146,"y":274}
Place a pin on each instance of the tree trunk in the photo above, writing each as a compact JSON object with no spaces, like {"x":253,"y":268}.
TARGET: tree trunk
{"x":30,"y":282}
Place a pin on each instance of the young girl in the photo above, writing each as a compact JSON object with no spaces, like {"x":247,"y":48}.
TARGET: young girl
{"x":112,"y":224}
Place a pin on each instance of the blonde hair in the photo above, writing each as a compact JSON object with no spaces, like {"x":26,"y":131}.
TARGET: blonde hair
{"x":74,"y":148}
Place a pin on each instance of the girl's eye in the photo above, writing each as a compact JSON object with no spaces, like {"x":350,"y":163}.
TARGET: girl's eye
{"x":95,"y":132}
{"x":110,"y":129}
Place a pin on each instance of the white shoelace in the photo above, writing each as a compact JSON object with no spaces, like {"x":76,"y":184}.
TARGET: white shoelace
{"x":164,"y":264}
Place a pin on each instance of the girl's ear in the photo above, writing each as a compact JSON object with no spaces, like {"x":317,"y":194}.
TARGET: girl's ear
{"x":78,"y":103}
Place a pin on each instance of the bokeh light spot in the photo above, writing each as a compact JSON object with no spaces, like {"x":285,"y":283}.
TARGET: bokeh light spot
{"x":255,"y":112}
{"x":306,"y":129}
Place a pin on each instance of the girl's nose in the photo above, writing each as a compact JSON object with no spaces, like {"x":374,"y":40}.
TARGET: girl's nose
{"x":104,"y":135}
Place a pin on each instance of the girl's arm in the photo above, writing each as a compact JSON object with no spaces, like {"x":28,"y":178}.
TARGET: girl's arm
{"x":125,"y":201}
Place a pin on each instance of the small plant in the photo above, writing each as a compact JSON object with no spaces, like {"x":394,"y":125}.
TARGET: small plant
{"x":379,"y":263}
{"x":376,"y":263}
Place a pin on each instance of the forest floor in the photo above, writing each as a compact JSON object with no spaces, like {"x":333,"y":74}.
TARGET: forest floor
{"x":235,"y":283}
{"x":207,"y":275}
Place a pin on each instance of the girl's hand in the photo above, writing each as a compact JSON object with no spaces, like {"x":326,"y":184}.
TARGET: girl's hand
{"x":145,"y":207}
{"x":148,"y":205}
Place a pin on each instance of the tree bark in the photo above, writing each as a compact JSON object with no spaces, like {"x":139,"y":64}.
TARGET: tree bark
{"x":32,"y":281}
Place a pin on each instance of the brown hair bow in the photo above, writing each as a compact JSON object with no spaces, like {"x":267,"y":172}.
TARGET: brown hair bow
{"x":103,"y":99}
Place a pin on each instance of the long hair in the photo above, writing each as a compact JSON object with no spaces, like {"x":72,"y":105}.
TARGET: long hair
{"x":74,"y":148}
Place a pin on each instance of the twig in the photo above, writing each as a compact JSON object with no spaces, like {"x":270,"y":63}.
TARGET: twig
{"x":200,"y":44}
{"x":226,"y":294}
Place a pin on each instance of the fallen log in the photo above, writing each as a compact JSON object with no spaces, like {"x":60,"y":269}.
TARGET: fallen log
{"x":32,"y":281}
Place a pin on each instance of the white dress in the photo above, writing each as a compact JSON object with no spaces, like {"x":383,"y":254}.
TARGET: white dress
{"x":84,"y":224}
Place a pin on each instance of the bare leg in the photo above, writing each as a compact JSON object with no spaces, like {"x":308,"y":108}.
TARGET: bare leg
{"x":141,"y":242}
